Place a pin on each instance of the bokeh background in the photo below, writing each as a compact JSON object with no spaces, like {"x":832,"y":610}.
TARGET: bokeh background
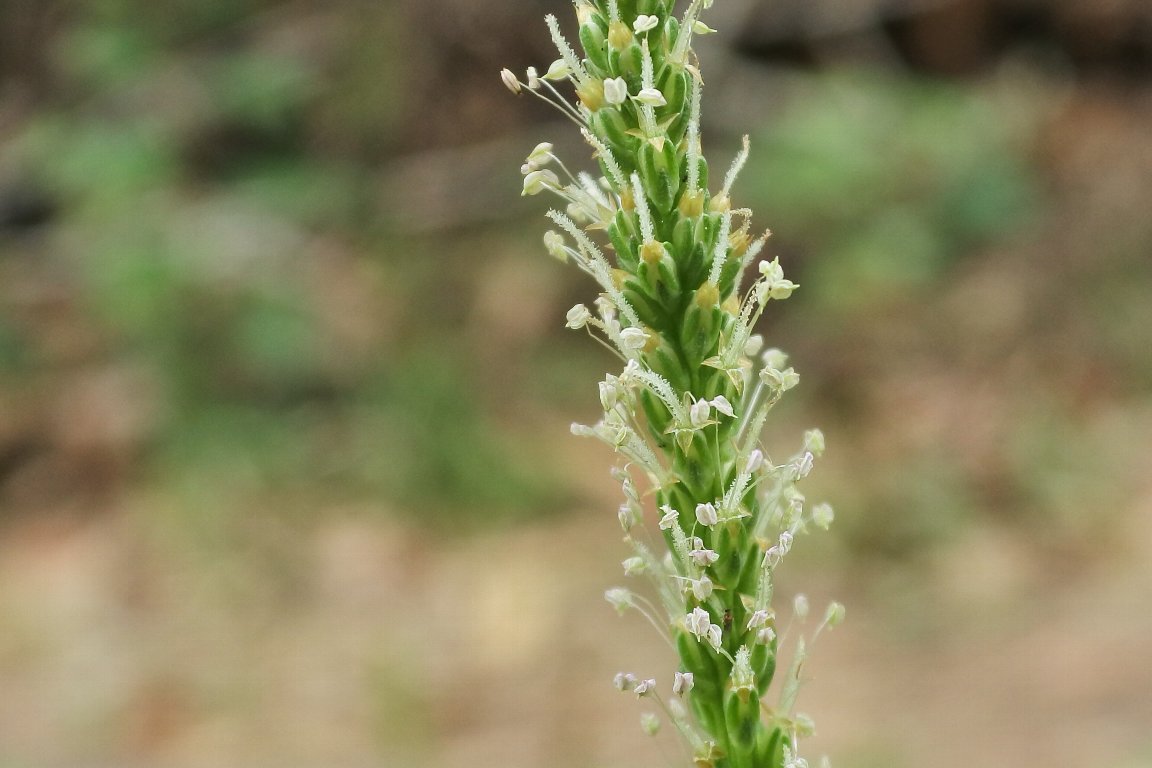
{"x":285,"y":473}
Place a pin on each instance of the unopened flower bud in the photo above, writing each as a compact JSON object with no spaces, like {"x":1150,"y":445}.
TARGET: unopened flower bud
{"x":755,"y":461}
{"x":652,"y":252}
{"x":800,"y":606}
{"x":706,"y":515}
{"x":754,"y":344}
{"x":627,"y":517}
{"x":541,"y":155}
{"x":533,"y":79}
{"x":805,"y":725}
{"x":774,"y":358}
{"x":578,"y":317}
{"x":834,"y":616}
{"x":511,"y":82}
{"x":558,"y":70}
{"x":650,"y":723}
{"x":619,"y":35}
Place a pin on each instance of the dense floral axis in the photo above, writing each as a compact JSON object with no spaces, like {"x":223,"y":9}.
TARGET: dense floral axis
{"x":686,"y":410}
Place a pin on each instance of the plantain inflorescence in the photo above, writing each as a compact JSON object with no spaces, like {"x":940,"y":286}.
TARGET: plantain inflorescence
{"x":686,"y":409}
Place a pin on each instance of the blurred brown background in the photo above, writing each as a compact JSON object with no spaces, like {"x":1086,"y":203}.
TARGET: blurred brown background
{"x":285,"y":475}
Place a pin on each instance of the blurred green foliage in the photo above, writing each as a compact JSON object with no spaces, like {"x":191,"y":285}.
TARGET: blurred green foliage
{"x":193,"y":204}
{"x":889,"y":180}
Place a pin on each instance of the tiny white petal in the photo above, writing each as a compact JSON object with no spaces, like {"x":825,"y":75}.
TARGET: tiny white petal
{"x":644,"y":23}
{"x":670,"y":518}
{"x":615,"y":90}
{"x":721,"y":404}
{"x":683,"y":684}
{"x":651,"y":97}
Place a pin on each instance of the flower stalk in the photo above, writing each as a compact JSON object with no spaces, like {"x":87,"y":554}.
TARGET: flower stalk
{"x":686,"y":409}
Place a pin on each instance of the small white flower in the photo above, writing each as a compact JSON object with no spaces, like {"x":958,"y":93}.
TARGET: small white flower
{"x":804,"y":465}
{"x":715,"y":636}
{"x":766,"y":636}
{"x":800,"y":606}
{"x":511,"y":82}
{"x":650,"y":723}
{"x":533,"y":79}
{"x":670,"y":518}
{"x":721,"y":404}
{"x":698,"y":622}
{"x":609,"y":392}
{"x":771,"y":270}
{"x":785,"y":543}
{"x":624,"y":681}
{"x":627,"y":517}
{"x":699,"y":412}
{"x":755,"y":461}
{"x":780,"y":380}
{"x":578,"y":317}
{"x":619,"y":598}
{"x":615,"y":90}
{"x":706,"y":514}
{"x":834,"y":616}
{"x":645,"y":687}
{"x":754,"y":344}
{"x":683,"y":683}
{"x":758,"y":619}
{"x":703,"y":557}
{"x":814,"y":441}
{"x":634,"y":565}
{"x":634,"y":338}
{"x":822,"y":516}
{"x":702,"y":588}
{"x":782,"y":289}
{"x":651,"y":97}
{"x":644,"y":23}
{"x":536,"y":182}
{"x":554,"y":244}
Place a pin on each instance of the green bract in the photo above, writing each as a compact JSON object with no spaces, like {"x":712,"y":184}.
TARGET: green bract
{"x":686,"y":410}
